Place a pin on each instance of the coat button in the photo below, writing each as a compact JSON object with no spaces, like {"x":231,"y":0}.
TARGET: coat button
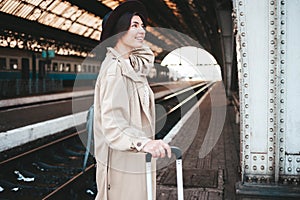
{"x":139,"y":144}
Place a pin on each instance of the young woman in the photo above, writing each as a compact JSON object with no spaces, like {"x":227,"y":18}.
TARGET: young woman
{"x":124,"y":115}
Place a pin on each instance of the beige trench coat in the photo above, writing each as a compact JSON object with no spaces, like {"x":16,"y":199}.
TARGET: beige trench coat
{"x":124,"y":121}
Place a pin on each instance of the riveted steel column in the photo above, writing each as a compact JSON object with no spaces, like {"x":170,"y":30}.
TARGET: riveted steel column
{"x":256,"y":66}
{"x":268,"y":55}
{"x":289,"y":91}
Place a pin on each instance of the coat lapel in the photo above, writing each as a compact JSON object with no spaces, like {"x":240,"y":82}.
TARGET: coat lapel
{"x":141,"y":84}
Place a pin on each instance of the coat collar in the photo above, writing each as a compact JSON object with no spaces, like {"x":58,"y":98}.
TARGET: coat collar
{"x":126,"y":70}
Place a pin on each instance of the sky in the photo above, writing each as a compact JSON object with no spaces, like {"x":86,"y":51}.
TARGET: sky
{"x":192,"y":62}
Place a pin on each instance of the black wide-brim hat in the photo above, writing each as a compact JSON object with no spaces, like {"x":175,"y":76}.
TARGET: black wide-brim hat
{"x":111,"y":18}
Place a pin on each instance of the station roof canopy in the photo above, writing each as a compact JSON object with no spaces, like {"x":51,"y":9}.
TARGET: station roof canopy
{"x":77,"y":24}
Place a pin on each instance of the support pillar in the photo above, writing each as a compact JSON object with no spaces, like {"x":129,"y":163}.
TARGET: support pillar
{"x":268,"y":56}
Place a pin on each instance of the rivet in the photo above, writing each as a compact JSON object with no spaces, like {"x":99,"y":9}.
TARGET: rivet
{"x":246,"y":85}
{"x":271,"y":91}
{"x":281,"y":101}
{"x":241,"y":13}
{"x":247,"y":156}
{"x":282,"y":2}
{"x":272,"y":42}
{"x":271,"y":109}
{"x":242,"y":23}
{"x":254,"y":167}
{"x":282,"y":22}
{"x":282,"y":52}
{"x":271,"y":139}
{"x":281,"y":169}
{"x":246,"y":136}
{"x":245,"y":75}
{"x":281,"y":120}
{"x":282,"y":91}
{"x":298,"y":159}
{"x":282,"y":81}
{"x":272,"y":2}
{"x":244,"y":54}
{"x":272,"y":22}
{"x":282,"y":41}
{"x":254,"y":158}
{"x":272,"y":52}
{"x":272,"y":62}
{"x":281,"y":149}
{"x":281,"y":140}
{"x":247,"y":106}
{"x":282,"y":71}
{"x":271,"y":149}
{"x":247,"y":166}
{"x":298,"y":169}
{"x":240,"y":3}
{"x":262,"y":167}
{"x":272,"y":70}
{"x":247,"y":146}
{"x":262,"y":157}
{"x":290,"y":159}
{"x":281,"y":159}
{"x":271,"y":100}
{"x":289,"y":169}
{"x":247,"y":116}
{"x":282,"y":32}
{"x":245,"y":65}
{"x":281,"y":130}
{"x":247,"y":126}
{"x":282,"y":12}
{"x":243,"y":44}
{"x":281,"y":111}
{"x":271,"y":130}
{"x":246,"y":96}
{"x":282,"y":61}
{"x":270,"y":158}
{"x":243,"y":34}
{"x":272,"y":12}
{"x":271,"y":168}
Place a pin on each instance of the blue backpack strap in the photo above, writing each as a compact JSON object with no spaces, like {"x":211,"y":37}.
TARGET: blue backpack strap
{"x":89,"y":128}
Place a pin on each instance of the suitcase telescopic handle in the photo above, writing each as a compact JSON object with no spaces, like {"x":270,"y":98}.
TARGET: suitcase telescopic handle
{"x":178,"y":154}
{"x":174,"y":150}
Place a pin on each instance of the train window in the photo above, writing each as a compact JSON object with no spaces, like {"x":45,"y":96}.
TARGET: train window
{"x":67,"y":67}
{"x":48,"y":67}
{"x":89,"y":68}
{"x":13,"y":64}
{"x":78,"y":68}
{"x":55,"y":66}
{"x":2,"y":63}
{"x":61,"y":67}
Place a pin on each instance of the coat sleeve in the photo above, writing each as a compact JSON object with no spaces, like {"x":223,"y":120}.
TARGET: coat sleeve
{"x":115,"y":115}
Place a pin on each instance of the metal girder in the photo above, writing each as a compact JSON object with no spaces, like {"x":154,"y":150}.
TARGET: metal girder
{"x":268,"y":53}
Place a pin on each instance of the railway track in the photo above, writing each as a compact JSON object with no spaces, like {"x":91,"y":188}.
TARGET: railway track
{"x":54,"y":170}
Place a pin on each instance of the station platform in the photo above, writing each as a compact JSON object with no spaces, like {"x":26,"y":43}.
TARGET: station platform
{"x":209,"y":138}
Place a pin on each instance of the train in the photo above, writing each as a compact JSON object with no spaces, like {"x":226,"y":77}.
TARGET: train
{"x":19,"y":66}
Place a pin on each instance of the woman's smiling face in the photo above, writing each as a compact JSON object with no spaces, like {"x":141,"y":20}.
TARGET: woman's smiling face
{"x":135,"y":35}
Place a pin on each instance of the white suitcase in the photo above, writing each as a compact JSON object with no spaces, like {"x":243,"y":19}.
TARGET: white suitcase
{"x":178,"y":155}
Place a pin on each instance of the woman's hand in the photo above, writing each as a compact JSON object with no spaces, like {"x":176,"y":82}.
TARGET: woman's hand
{"x":157,"y":148}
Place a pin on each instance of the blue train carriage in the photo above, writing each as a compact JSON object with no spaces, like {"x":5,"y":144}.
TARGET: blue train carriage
{"x":22,"y":64}
{"x":25,"y":72}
